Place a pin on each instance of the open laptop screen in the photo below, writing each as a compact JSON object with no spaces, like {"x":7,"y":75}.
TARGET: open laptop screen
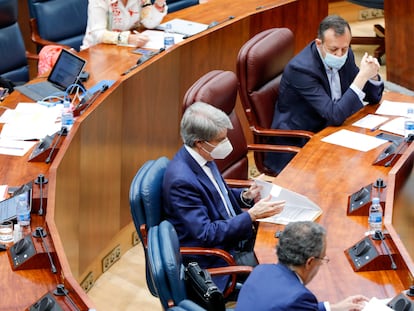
{"x":66,"y":70}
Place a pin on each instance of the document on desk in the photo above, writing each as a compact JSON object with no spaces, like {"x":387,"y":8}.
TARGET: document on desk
{"x":156,"y":39}
{"x":15,"y":147}
{"x":376,"y":304}
{"x":184,"y":27}
{"x":395,"y":126}
{"x":392,"y":108}
{"x":297,"y":206}
{"x":370,"y":121}
{"x":353,"y":140}
{"x":32,"y":121}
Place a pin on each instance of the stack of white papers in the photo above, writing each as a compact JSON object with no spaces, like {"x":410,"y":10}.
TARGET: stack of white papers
{"x":31,"y":121}
{"x":297,"y":206}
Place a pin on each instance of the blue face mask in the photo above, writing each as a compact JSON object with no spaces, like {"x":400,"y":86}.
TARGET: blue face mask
{"x":334,"y":61}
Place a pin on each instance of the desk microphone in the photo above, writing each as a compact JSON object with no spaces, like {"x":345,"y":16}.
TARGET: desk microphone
{"x":62,"y":291}
{"x":379,"y":235}
{"x":41,"y":233}
{"x":40,"y":180}
{"x":63,"y":132}
{"x":406,"y":141}
{"x":142,"y":60}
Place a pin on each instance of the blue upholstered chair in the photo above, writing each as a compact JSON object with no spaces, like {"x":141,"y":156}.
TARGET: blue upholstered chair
{"x":145,"y":203}
{"x":379,"y":38}
{"x":13,"y":64}
{"x":175,"y":5}
{"x":167,"y":269}
{"x":60,"y":22}
{"x":146,"y":209}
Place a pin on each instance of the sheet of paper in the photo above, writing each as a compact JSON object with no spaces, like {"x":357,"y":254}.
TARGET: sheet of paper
{"x":15,"y":147}
{"x":395,"y":126}
{"x":353,"y":140}
{"x":297,"y":206}
{"x":370,"y":121}
{"x":156,"y":39}
{"x":32,"y":121}
{"x":7,"y":115}
{"x":184,"y":27}
{"x":376,"y":304}
{"x":392,"y":108}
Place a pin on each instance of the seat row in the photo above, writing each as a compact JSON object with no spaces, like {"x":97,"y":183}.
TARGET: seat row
{"x":260,"y":66}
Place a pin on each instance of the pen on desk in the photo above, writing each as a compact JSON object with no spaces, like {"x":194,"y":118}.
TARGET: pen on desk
{"x":375,"y":128}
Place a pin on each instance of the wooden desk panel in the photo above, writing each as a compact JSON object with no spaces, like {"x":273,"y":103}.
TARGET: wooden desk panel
{"x":328,"y":174}
{"x":399,"y":46}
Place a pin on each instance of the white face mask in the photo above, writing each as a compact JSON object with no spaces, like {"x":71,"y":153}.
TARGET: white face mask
{"x":222,"y":150}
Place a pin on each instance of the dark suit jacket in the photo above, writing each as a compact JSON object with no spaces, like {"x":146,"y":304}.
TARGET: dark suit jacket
{"x":193,"y":205}
{"x":305,"y":98}
{"x":274,"y":287}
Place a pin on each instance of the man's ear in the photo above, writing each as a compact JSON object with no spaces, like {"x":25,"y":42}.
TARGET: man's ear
{"x":318,"y":42}
{"x":309,"y":262}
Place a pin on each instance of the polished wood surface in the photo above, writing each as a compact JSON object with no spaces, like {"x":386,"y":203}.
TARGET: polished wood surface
{"x":328,"y":174}
{"x":399,"y":46}
{"x":134,"y":120}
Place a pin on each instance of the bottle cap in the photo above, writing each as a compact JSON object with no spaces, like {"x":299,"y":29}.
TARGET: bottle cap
{"x":375,"y":200}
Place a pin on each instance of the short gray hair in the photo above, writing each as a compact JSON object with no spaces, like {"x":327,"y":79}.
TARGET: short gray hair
{"x":335,"y":22}
{"x":299,"y":241}
{"x":202,"y":122}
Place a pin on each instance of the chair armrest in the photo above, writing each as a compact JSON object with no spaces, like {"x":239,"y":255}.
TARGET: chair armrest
{"x":232,"y":269}
{"x":238,"y":183}
{"x":33,"y":56}
{"x":278,"y":132}
{"x":36,"y":38}
{"x":273,"y":148}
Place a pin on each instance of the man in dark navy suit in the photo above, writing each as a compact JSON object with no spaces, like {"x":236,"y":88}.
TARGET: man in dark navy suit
{"x":322,"y":86}
{"x":203,"y":209}
{"x":282,"y":286}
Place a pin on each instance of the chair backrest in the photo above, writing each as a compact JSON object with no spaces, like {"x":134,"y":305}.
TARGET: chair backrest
{"x":145,"y":203}
{"x":13,"y":64}
{"x":219,"y":89}
{"x":166,"y":268}
{"x":62,"y":22}
{"x":175,"y":5}
{"x":260,"y":65}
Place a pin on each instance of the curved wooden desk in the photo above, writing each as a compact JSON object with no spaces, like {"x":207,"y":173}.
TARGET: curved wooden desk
{"x":135,"y":120}
{"x":328,"y":175}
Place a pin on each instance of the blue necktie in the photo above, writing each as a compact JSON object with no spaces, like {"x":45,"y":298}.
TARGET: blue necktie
{"x":217,"y":176}
{"x":335,"y":84}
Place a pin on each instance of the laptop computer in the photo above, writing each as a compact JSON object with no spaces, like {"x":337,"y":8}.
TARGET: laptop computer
{"x":65,"y":72}
{"x":8,"y":206}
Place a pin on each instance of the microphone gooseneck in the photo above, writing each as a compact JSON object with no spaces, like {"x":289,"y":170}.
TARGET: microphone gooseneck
{"x":62,"y":132}
{"x":380,"y":235}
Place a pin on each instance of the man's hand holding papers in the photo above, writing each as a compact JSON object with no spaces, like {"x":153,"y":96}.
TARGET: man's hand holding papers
{"x":297,"y":206}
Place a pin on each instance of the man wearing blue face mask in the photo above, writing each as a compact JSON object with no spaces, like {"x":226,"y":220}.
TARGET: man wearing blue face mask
{"x":322,"y":86}
{"x":203,"y":209}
